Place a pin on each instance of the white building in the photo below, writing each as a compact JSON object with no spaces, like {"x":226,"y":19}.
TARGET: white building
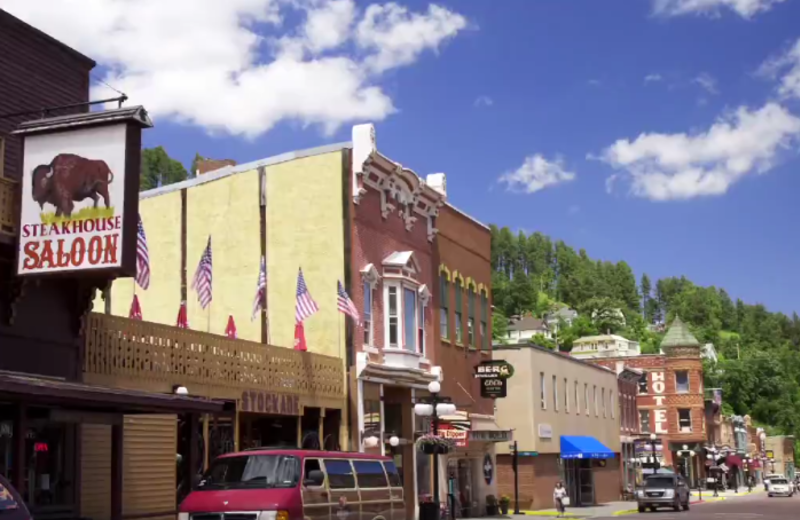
{"x":604,"y":346}
{"x":522,"y":328}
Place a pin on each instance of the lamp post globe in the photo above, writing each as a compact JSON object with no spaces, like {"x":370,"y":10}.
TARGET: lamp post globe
{"x":434,"y":387}
{"x":394,"y":441}
{"x":652,"y":436}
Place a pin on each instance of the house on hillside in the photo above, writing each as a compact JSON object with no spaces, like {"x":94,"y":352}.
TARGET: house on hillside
{"x":564,"y":314}
{"x":522,"y":328}
{"x":604,"y":346}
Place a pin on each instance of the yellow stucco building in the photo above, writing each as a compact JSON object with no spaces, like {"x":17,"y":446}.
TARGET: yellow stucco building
{"x":227,"y":204}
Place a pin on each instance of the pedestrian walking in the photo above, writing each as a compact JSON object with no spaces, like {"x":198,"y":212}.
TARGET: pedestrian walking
{"x":561,"y":499}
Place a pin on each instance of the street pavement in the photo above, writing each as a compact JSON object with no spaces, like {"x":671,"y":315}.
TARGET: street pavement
{"x":756,"y":506}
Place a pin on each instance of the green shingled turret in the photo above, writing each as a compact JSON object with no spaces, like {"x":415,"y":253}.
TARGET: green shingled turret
{"x":678,"y":335}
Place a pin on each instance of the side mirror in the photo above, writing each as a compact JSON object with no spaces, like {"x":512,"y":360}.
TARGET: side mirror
{"x":314,"y":478}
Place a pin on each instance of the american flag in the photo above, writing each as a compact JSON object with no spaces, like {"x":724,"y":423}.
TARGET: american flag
{"x":258,"y":301}
{"x":202,"y":277}
{"x":142,"y":258}
{"x":306,"y":306}
{"x":345,"y":304}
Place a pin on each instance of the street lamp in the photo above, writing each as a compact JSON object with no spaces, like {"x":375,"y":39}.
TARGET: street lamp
{"x":435,"y":407}
{"x":712,"y":456}
{"x":686,"y":454}
{"x":747,"y":461}
{"x":653,"y":452}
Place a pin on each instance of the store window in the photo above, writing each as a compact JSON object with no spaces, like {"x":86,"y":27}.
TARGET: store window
{"x":410,"y":319}
{"x":49,"y":459}
{"x":682,"y":381}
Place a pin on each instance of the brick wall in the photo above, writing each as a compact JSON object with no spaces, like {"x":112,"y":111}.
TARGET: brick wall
{"x":465,"y":246}
{"x":37,"y":72}
{"x":373,"y":239}
{"x":662,"y":395}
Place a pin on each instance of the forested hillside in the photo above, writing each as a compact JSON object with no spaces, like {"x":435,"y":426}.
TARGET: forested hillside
{"x":759,"y":351}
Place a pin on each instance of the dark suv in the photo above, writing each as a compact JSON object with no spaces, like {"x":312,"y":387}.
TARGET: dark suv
{"x":663,"y":491}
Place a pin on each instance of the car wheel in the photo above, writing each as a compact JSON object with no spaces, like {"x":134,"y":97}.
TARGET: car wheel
{"x":653,"y":509}
{"x":769,"y":495}
{"x":642,"y":509}
{"x":686,"y":505}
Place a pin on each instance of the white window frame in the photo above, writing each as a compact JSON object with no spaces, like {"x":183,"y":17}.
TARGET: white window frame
{"x":577,"y":398}
{"x":566,"y":395}
{"x":370,"y":276}
{"x":399,"y":306}
{"x":611,"y":403}
{"x":681,"y":429}
{"x":586,"y":399}
{"x":688,"y":382}
{"x":603,"y":398}
{"x":543,"y":390}
{"x":555,"y":393}
{"x":369,"y":321}
{"x":596,"y":404}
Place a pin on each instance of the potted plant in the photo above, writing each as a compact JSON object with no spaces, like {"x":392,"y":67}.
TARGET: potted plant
{"x":491,"y":505}
{"x":434,"y":444}
{"x":505,"y":500}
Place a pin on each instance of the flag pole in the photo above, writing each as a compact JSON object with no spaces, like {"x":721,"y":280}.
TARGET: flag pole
{"x":208,"y":319}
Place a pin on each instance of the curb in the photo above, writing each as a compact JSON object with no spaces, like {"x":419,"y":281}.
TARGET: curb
{"x":548,"y":514}
{"x":695,"y":503}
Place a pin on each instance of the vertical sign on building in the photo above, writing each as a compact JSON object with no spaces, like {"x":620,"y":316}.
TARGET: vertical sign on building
{"x":657,"y":388}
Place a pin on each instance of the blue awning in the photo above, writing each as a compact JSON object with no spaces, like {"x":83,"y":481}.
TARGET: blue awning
{"x":583,"y":447}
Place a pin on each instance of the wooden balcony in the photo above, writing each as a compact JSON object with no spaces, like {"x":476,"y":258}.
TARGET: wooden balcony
{"x":141,"y":355}
{"x":9,"y":212}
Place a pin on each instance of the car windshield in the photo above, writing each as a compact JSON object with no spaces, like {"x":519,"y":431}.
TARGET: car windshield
{"x":251,"y":471}
{"x":659,"y":482}
{"x":780,"y":481}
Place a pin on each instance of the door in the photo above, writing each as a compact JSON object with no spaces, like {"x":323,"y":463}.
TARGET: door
{"x":395,"y":491}
{"x":586,"y":483}
{"x":373,"y":489}
{"x":344,"y":497}
{"x":316,"y":499}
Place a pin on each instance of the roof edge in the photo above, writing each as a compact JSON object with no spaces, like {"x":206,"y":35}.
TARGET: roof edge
{"x":468,"y":216}
{"x":227,"y":171}
{"x":50,"y":39}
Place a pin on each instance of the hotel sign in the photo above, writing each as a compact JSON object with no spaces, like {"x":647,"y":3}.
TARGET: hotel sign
{"x":491,"y":436}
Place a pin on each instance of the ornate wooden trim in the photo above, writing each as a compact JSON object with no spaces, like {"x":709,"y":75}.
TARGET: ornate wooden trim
{"x":444,"y":270}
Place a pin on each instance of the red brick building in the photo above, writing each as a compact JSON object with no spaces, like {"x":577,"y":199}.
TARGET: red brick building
{"x":670,"y":399}
{"x":420,"y":273}
{"x":628,"y":390}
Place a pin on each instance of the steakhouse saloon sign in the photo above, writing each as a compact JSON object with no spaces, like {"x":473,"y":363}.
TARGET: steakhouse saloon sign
{"x":80,"y":186}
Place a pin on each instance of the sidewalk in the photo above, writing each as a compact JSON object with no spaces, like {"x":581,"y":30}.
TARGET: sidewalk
{"x":625,"y":508}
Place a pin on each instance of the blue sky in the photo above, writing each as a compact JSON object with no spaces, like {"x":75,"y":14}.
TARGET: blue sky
{"x":562,"y":80}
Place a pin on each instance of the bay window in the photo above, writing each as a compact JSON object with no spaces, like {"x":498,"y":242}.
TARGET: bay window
{"x":394,"y":324}
{"x":409,"y":319}
{"x":444,"y":323}
{"x":459,"y":306}
{"x":367,"y":313}
{"x":421,"y":329}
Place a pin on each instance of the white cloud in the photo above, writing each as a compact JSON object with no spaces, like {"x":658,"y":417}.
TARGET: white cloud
{"x":785,"y":68}
{"x":707,"y":82}
{"x":653,"y":78}
{"x":680,"y":166}
{"x":535,"y":174}
{"x":484,"y":101}
{"x":235,"y":66}
{"x":744,"y":8}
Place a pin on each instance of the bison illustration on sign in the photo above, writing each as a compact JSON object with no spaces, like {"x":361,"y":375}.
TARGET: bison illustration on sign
{"x":70,"y":178}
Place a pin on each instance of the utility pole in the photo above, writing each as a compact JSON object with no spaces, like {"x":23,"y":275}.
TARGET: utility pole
{"x":515,"y":466}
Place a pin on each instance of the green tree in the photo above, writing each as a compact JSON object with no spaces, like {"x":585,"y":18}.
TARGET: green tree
{"x":499,"y":327}
{"x":649,"y":303}
{"x":159,"y":169}
{"x":195,"y":164}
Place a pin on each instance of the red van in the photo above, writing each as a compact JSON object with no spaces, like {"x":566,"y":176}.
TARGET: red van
{"x":290,"y":484}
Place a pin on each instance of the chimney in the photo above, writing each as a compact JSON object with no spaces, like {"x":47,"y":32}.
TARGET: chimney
{"x":209,"y":165}
{"x":437,"y":181}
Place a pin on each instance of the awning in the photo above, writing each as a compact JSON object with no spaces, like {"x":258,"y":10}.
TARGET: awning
{"x":44,"y":391}
{"x":583,"y":447}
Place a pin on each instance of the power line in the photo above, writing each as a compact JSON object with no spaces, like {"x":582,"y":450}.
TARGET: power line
{"x":109,"y":86}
